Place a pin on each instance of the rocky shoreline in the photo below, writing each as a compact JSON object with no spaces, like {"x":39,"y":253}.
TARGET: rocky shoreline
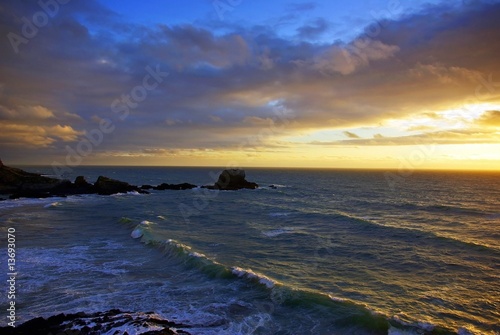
{"x":111,"y":322}
{"x":17,"y":183}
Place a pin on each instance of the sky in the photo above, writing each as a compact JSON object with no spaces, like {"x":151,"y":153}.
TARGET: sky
{"x":390,"y":84}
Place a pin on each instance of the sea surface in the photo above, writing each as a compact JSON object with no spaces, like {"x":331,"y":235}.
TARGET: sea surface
{"x":320,"y":252}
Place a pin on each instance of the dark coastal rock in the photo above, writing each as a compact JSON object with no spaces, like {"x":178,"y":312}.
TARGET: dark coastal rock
{"x":232,"y":179}
{"x":81,"y":182}
{"x":18,"y":183}
{"x":80,"y":186}
{"x":111,"y":322}
{"x":108,"y":186}
{"x":13,"y":180}
{"x":178,"y":187}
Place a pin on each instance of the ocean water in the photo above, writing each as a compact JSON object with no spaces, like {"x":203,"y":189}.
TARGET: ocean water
{"x":322,"y":252}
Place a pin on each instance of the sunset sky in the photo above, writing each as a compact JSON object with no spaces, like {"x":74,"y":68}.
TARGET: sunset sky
{"x":337,"y":84}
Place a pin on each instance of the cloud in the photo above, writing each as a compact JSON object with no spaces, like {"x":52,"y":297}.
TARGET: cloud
{"x":490,"y":119}
{"x":468,"y":136}
{"x":25,"y":112}
{"x":445,"y":75}
{"x":188,"y":45}
{"x":225,"y":87}
{"x":356,"y":55}
{"x":313,"y":30}
{"x":350,"y":134}
{"x":21,"y":135}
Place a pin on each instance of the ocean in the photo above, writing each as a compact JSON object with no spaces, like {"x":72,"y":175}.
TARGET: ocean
{"x":308,"y":252}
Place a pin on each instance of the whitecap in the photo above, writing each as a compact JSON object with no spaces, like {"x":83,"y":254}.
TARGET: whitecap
{"x":247,"y":273}
{"x":53,"y":205}
{"x":127,"y":193}
{"x":337,"y":299}
{"x":277,"y":232}
{"x":146,"y":223}
{"x":197,"y":255}
{"x":279,"y":214}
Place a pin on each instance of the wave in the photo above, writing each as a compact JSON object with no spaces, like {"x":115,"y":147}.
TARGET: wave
{"x":418,"y":233}
{"x":280,"y":214}
{"x":442,"y":208}
{"x":277,"y":232}
{"x":47,"y":202}
{"x":53,"y":205}
{"x":127,"y":193}
{"x":249,"y":274}
{"x":15,"y":203}
{"x":346,"y":314}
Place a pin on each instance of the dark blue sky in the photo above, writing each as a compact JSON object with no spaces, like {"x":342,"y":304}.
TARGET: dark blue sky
{"x":344,"y":19}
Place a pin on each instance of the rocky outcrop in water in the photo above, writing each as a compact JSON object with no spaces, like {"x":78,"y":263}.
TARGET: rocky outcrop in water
{"x":18,"y":183}
{"x":178,"y":187}
{"x":14,"y":180}
{"x":108,"y":186}
{"x":231,"y":180}
{"x":111,"y":322}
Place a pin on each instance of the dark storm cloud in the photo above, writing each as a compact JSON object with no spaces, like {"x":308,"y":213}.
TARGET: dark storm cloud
{"x":313,"y":30}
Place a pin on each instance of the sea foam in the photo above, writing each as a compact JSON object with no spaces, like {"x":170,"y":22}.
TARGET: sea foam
{"x":247,"y":273}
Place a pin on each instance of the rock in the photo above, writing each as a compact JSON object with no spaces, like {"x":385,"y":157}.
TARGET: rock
{"x":14,"y":180}
{"x":19,"y":183}
{"x":178,"y":187}
{"x":81,"y":182}
{"x":233,"y":179}
{"x":108,"y":186}
{"x":80,"y":186}
{"x":110,"y":322}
